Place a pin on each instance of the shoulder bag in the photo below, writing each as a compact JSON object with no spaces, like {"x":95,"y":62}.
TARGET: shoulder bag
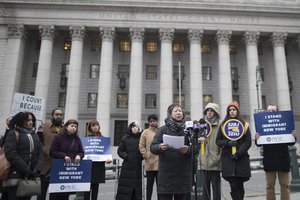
{"x":29,"y":188}
{"x":4,"y":163}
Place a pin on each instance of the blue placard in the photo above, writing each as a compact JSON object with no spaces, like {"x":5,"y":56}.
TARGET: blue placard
{"x":96,"y":148}
{"x":274,"y":127}
{"x":70,"y":178}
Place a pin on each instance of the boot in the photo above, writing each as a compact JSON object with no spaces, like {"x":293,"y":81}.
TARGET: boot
{"x":239,"y":195}
{"x":233,"y":196}
{"x":236,"y":195}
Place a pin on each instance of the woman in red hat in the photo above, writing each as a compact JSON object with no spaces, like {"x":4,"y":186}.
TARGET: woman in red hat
{"x":235,"y":165}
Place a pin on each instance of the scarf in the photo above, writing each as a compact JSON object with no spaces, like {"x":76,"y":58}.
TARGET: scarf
{"x":175,"y":127}
{"x":25,"y":130}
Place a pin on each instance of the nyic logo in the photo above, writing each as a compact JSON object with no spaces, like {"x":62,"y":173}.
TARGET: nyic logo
{"x":275,"y":139}
{"x":68,"y":187}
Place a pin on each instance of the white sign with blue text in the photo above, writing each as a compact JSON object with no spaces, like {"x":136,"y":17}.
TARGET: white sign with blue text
{"x":274,"y":127}
{"x":70,"y":177}
{"x":96,"y":148}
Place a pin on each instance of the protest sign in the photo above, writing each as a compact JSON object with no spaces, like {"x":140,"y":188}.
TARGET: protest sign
{"x":70,"y":178}
{"x":233,"y":129}
{"x":274,"y":127}
{"x":27,"y":103}
{"x":96,"y":148}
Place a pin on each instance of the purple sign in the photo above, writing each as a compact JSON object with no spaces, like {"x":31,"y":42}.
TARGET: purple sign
{"x":233,"y":129}
{"x":207,"y":129}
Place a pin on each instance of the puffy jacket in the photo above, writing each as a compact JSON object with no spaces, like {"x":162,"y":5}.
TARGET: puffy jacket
{"x":175,"y":168}
{"x":131,"y":173}
{"x":18,"y":153}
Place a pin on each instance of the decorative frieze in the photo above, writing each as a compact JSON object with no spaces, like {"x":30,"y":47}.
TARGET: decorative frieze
{"x":195,"y":35}
{"x":77,"y":32}
{"x":107,"y":33}
{"x":137,"y":34}
{"x":47,"y":32}
{"x":251,"y":37}
{"x":166,"y":34}
{"x":278,"y":38}
{"x":223,"y":36}
{"x":16,"y":31}
{"x":7,"y":12}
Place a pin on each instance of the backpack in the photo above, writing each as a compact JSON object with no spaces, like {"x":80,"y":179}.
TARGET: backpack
{"x":4,"y":163}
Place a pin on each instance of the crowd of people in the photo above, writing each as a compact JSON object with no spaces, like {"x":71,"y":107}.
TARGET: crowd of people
{"x":30,"y":150}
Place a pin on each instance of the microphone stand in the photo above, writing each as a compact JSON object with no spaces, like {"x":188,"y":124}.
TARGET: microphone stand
{"x":192,"y":145}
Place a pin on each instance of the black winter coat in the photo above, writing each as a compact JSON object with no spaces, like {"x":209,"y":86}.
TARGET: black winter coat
{"x":230,"y":167}
{"x":18,"y":154}
{"x":175,"y":170}
{"x":131,"y":173}
{"x":276,"y":157}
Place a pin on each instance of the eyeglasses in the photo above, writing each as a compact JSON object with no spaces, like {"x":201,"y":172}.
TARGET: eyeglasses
{"x":58,"y":114}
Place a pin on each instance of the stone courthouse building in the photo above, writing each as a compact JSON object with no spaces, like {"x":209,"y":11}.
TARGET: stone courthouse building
{"x":121,"y":60}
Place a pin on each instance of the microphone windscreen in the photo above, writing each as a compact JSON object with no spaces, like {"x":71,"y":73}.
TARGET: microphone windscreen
{"x":188,"y":118}
{"x":202,"y":121}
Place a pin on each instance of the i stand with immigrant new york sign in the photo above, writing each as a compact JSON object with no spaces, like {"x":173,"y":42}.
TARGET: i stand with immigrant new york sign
{"x":233,"y":130}
{"x":274,"y":127}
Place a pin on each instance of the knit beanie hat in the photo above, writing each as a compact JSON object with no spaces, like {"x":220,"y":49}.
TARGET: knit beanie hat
{"x":213,"y":106}
{"x":235,"y":104}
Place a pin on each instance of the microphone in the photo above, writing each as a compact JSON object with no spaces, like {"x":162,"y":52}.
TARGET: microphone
{"x":200,"y":126}
{"x":188,"y":122}
{"x":202,"y":121}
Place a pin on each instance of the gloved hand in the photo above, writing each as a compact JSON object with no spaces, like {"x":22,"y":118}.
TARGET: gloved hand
{"x":33,"y":174}
{"x":235,"y":156}
{"x":232,"y":143}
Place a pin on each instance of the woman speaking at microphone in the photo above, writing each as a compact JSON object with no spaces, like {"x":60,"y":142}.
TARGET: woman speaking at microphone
{"x":235,"y":157}
{"x":175,"y":170}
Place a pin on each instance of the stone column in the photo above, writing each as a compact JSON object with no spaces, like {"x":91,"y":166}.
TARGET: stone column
{"x":105,"y":79}
{"x":282,"y":83}
{"x":136,"y":75}
{"x":44,"y":66}
{"x":12,"y":68}
{"x":166,"y":72}
{"x":196,"y":94}
{"x":251,"y":39}
{"x":72,"y":102}
{"x":225,"y":84}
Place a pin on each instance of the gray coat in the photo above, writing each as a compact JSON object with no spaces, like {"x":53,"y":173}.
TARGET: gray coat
{"x":175,"y":171}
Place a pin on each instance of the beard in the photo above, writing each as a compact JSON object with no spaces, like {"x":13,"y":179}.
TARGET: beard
{"x":56,"y":122}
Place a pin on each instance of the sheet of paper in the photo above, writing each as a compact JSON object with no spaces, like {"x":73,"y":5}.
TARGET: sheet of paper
{"x":173,"y":141}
